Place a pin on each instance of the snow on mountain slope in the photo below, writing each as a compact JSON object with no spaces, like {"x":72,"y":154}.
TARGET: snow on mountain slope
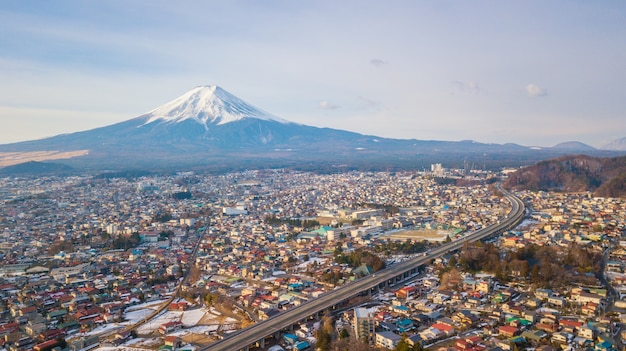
{"x":616,"y":145}
{"x":206,"y":105}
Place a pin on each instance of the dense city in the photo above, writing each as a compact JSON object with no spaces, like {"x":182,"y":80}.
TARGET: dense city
{"x":181,"y":261}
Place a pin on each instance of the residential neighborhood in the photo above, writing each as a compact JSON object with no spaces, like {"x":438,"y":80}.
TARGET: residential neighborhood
{"x":179,"y":261}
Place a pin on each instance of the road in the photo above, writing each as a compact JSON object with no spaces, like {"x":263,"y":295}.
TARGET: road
{"x":245,"y":337}
{"x":165,"y":304}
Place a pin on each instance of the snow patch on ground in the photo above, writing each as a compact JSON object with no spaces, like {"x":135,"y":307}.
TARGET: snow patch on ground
{"x":135,"y":316}
{"x":192,"y":317}
{"x":153,"y":325}
{"x":320,"y":261}
{"x":152,"y":304}
{"x":103,"y":329}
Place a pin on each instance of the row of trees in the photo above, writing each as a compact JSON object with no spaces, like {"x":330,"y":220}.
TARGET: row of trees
{"x":110,"y":242}
{"x":358,"y":258}
{"x":389,"y":209}
{"x":294,"y":222}
{"x":545,"y":266}
{"x":406,"y":247}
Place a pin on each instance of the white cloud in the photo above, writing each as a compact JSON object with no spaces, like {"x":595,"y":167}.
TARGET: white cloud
{"x":325,"y":105}
{"x":378,"y":62}
{"x":535,"y":90}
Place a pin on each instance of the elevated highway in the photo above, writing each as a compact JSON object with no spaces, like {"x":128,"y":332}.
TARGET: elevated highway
{"x":244,"y":338}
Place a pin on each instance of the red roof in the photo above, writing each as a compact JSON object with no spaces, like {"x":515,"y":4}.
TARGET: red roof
{"x":9,"y":326}
{"x":508,"y":329}
{"x":442,"y":327}
{"x":570,"y":323}
{"x":461,"y":344}
{"x":474,"y":339}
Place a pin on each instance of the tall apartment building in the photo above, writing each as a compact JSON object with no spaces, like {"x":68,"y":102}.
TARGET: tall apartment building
{"x":364,"y":324}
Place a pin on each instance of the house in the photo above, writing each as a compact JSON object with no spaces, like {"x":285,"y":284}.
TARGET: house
{"x":173,"y":341}
{"x":268,"y":313}
{"x":535,"y":335}
{"x":404,"y":325}
{"x":445,"y":329}
{"x":508,"y":331}
{"x":169,"y":327}
{"x":586,"y":332}
{"x":301,"y":346}
{"x":469,"y":344}
{"x":561,"y":337}
{"x":179,"y":306}
{"x":387,"y":340}
{"x":589,"y":309}
{"x":403,"y":310}
{"x":290,"y":339}
{"x":406,"y":292}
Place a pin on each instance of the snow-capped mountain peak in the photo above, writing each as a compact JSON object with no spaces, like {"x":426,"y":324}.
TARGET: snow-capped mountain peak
{"x":207,"y":104}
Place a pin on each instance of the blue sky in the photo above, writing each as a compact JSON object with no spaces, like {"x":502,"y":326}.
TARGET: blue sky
{"x":527,"y":72}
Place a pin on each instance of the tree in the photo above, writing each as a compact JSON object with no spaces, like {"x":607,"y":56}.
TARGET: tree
{"x":344,"y":334}
{"x":195,"y":273}
{"x":402,"y":346}
{"x":209,"y":299}
{"x":534,"y":274}
{"x":325,"y":334}
{"x":357,"y":222}
{"x":323,"y":340}
{"x":452,"y":262}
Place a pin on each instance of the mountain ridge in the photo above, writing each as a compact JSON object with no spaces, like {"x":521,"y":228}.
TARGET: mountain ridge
{"x":208,"y":125}
{"x":616,"y":145}
{"x":605,"y":177}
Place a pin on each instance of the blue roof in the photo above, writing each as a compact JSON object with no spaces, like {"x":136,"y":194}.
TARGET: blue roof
{"x":290,"y":337}
{"x":604,"y":345}
{"x":404,"y":322}
{"x":302,"y":345}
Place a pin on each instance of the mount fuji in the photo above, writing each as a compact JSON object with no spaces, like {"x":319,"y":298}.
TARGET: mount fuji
{"x":203,"y":125}
{"x":208,"y":126}
{"x":208,"y":105}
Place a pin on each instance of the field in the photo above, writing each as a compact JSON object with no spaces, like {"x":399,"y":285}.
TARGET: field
{"x":422,"y":234}
{"x":13,"y":158}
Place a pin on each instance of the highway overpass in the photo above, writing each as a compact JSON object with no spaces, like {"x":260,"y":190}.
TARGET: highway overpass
{"x":243,"y":339}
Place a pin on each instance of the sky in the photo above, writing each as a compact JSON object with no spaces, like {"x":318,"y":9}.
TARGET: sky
{"x":535,"y":73}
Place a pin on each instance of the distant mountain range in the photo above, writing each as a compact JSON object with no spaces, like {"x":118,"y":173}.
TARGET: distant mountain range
{"x":574,"y":146}
{"x":604,"y":177}
{"x":35,"y":168}
{"x":210,"y":128}
{"x":616,"y":145}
